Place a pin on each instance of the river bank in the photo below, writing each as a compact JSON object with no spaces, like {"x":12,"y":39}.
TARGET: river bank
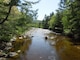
{"x":66,"y":49}
{"x":16,"y":46}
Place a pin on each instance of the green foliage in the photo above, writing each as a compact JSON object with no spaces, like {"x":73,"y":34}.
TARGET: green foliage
{"x":13,"y":19}
{"x":52,"y":22}
{"x":66,"y":20}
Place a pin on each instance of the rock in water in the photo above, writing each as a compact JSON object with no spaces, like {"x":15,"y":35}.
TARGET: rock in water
{"x":52,"y":43}
{"x":18,"y":51}
{"x":46,"y":37}
{"x":51,"y":58}
{"x":2,"y":58}
{"x":20,"y":37}
{"x":13,"y":54}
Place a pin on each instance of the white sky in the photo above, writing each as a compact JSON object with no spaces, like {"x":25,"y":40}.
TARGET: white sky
{"x":45,"y":7}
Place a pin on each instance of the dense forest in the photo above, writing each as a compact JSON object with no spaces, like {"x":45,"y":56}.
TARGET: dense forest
{"x":66,"y":20}
{"x":15,"y":17}
{"x":56,"y":37}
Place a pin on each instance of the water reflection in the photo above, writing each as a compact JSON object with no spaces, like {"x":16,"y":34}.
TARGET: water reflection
{"x":24,"y":47}
{"x":40,"y":49}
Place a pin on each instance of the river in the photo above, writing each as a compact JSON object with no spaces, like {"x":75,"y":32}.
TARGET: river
{"x":39,"y":48}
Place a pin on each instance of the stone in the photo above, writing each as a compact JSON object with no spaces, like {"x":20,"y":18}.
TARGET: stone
{"x":2,"y":58}
{"x":24,"y":36}
{"x":46,"y":37}
{"x":51,"y":38}
{"x":52,"y":43}
{"x":18,"y":51}
{"x":51,"y":58}
{"x":8,"y":48}
{"x":20,"y":37}
{"x":13,"y":39}
{"x":2,"y":54}
{"x":40,"y":57}
{"x":13,"y":54}
{"x":8,"y":44}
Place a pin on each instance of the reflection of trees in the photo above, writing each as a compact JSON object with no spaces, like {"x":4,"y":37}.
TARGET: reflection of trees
{"x":25,"y":48}
{"x":26,"y":45}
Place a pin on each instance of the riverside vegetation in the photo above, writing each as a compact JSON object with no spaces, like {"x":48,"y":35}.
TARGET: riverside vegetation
{"x":17,"y":17}
{"x":67,"y":23}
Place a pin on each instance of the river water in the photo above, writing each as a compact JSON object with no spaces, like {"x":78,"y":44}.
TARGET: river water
{"x":39,"y":48}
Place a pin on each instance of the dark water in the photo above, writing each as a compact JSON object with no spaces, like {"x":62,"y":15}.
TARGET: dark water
{"x":39,"y":49}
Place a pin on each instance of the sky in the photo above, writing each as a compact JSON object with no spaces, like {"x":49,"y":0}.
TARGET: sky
{"x":45,"y":7}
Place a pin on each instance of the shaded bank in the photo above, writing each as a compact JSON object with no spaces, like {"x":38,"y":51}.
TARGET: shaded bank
{"x":66,"y":49}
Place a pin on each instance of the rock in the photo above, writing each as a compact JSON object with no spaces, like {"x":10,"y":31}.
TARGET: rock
{"x":20,"y":37}
{"x":2,"y":58}
{"x":9,"y":44}
{"x":52,"y":43}
{"x":13,"y":54}
{"x":51,"y":58}
{"x":46,"y":37}
{"x":12,"y":40}
{"x":18,"y":51}
{"x":78,"y":47}
{"x":40,"y":57}
{"x":2,"y":54}
{"x":2,"y":45}
{"x":51,"y":38}
{"x":8,"y":48}
{"x":24,"y":36}
{"x":32,"y":36}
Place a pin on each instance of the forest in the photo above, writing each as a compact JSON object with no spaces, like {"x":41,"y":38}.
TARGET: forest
{"x":24,"y":37}
{"x":66,"y":20}
{"x":17,"y":16}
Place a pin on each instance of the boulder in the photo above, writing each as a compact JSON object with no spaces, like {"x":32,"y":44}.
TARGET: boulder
{"x":8,"y":44}
{"x":20,"y":37}
{"x":51,"y":38}
{"x":2,"y":54}
{"x":13,"y":54}
{"x":53,"y":43}
{"x":2,"y":58}
{"x":18,"y":51}
{"x":12,"y":40}
{"x":46,"y":37}
{"x":8,"y":48}
{"x":24,"y":36}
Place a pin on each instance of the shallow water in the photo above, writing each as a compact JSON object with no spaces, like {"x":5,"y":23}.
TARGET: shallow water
{"x":39,"y":48}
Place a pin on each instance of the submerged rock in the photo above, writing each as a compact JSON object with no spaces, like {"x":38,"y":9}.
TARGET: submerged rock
{"x":52,"y":43}
{"x":51,"y":58}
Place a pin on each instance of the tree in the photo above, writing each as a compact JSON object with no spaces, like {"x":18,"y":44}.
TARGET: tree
{"x":72,"y":9}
